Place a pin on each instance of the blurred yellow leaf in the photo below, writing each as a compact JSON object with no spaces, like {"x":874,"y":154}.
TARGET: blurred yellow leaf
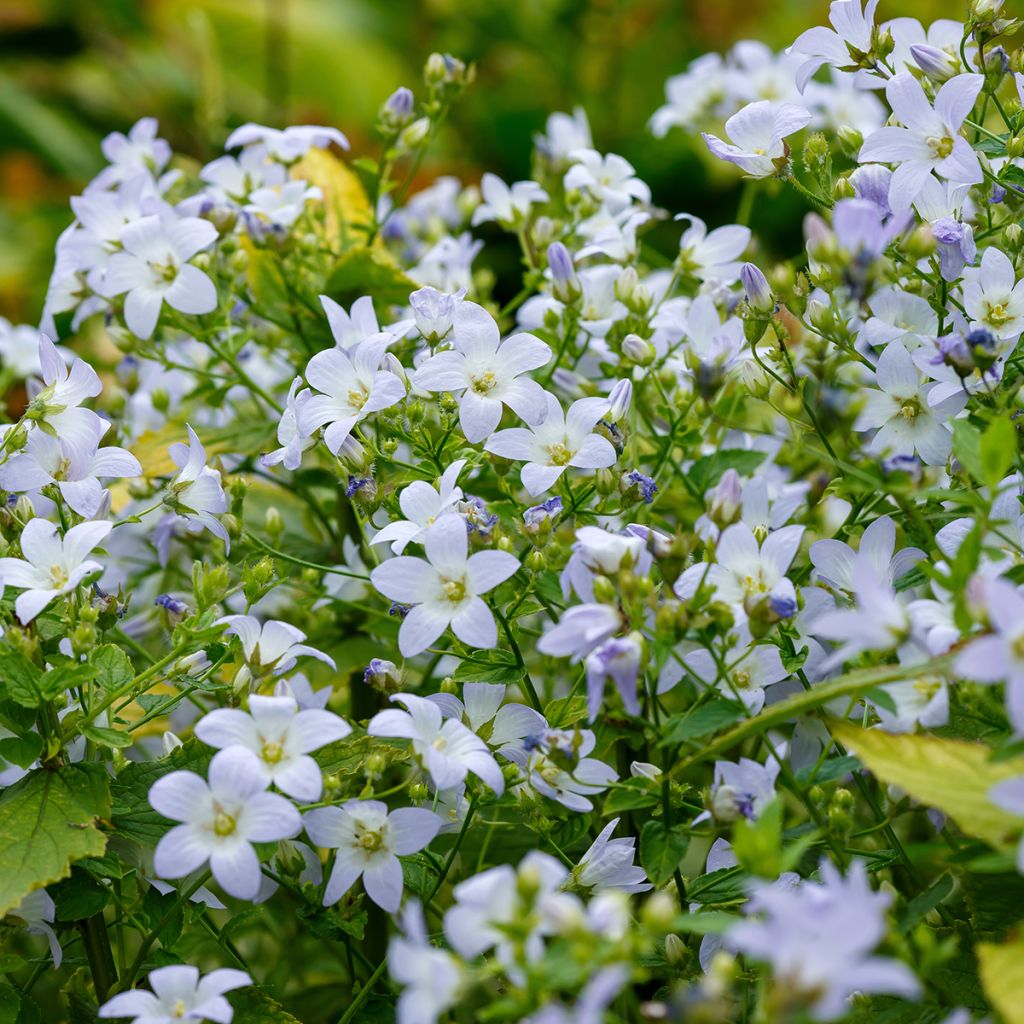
{"x":1002,"y":974}
{"x":151,"y":449}
{"x":347,"y":205}
{"x":953,"y":776}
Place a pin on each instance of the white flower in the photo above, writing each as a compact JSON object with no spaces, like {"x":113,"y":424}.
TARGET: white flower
{"x":487,"y":371}
{"x":559,"y":441}
{"x":19,"y":349}
{"x":745,"y":572}
{"x":272,"y":645}
{"x":445,"y":588}
{"x":422,"y":504}
{"x":758,"y":134}
{"x":556,"y":765}
{"x":490,"y":904}
{"x":878,"y":622}
{"x":281,"y":736}
{"x":993,"y":297}
{"x":609,"y":178}
{"x":279,"y":206}
{"x":930,"y":139}
{"x":507,"y":205}
{"x":608,"y":864}
{"x":358,"y":324}
{"x":432,"y":977}
{"x":580,"y":629}
{"x":179,"y":994}
{"x":197,"y":489}
{"x":502,"y":726}
{"x":852,"y":31}
{"x":292,"y":440}
{"x":75,"y":469}
{"x":37,"y":911}
{"x":834,"y":561}
{"x":154,"y":268}
{"x":368,"y":840}
{"x":51,"y":565}
{"x":289,"y":144}
{"x":221,"y":819}
{"x":907,"y":423}
{"x":351,"y":389}
{"x":446,"y":748}
{"x":138,"y":151}
{"x":712,"y":256}
{"x":65,"y":387}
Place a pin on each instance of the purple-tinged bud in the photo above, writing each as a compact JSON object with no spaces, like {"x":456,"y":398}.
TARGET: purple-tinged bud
{"x":726,"y":499}
{"x":538,"y":516}
{"x":383,"y":675}
{"x":935,"y":63}
{"x":565,"y":285}
{"x":634,"y":486}
{"x":620,"y":398}
{"x":755,"y":286}
{"x":397,"y":109}
{"x":954,"y":352}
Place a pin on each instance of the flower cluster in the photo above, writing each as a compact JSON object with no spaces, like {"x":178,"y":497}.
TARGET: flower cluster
{"x":645,"y":642}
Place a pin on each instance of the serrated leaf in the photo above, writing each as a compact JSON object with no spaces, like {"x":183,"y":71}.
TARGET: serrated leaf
{"x":112,"y":667}
{"x":21,"y":750}
{"x":953,"y":776}
{"x":499,"y":667}
{"x":566,"y":711}
{"x":726,"y":885}
{"x":1002,"y":975}
{"x":661,"y":849}
{"x":48,"y":821}
{"x":78,"y":897}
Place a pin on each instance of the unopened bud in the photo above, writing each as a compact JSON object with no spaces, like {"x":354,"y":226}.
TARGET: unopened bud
{"x":755,"y":287}
{"x":638,"y":350}
{"x":565,"y":285}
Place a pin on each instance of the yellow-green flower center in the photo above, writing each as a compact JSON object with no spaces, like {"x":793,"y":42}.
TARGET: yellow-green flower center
{"x":483,"y":383}
{"x":223,"y":824}
{"x":560,"y":453}
{"x":272,"y":752}
{"x":454,"y":590}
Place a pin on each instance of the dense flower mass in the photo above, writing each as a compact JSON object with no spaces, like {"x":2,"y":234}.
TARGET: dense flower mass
{"x":639,"y":640}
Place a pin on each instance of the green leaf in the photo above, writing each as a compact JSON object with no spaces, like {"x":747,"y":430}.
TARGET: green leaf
{"x":701,"y":721}
{"x":363,"y":271}
{"x":497,"y":667}
{"x":630,"y":796}
{"x":112,"y":667}
{"x":924,"y":902}
{"x":711,"y":922}
{"x":566,"y":711}
{"x":726,"y":885}
{"x":758,"y":844}
{"x":709,"y":469}
{"x":131,"y":814}
{"x":1002,"y":974}
{"x":967,"y":448}
{"x":997,"y":450}
{"x":996,"y":901}
{"x":951,"y":775}
{"x":834,"y":768}
{"x":107,"y":737}
{"x":48,"y":821}
{"x":21,"y":679}
{"x":661,"y":849}
{"x":79,"y":896}
{"x":21,"y":750}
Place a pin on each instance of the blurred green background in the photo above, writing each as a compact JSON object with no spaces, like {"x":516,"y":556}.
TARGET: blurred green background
{"x":71,"y":71}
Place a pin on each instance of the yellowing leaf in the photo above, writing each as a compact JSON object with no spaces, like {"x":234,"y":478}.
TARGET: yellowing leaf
{"x":48,"y":821}
{"x":1002,"y":974}
{"x":345,"y":201}
{"x":953,"y":776}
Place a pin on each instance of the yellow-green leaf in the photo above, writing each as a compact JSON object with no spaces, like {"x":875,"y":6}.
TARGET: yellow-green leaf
{"x":1002,"y":974}
{"x":48,"y":821}
{"x":953,"y":776}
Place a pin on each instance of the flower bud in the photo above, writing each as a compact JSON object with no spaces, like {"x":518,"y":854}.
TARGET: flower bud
{"x":620,"y":398}
{"x":639,"y":351}
{"x":414,"y":135}
{"x":726,"y":499}
{"x":935,"y":63}
{"x":565,"y":285}
{"x":755,"y":287}
{"x":397,"y":109}
{"x":675,"y":949}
